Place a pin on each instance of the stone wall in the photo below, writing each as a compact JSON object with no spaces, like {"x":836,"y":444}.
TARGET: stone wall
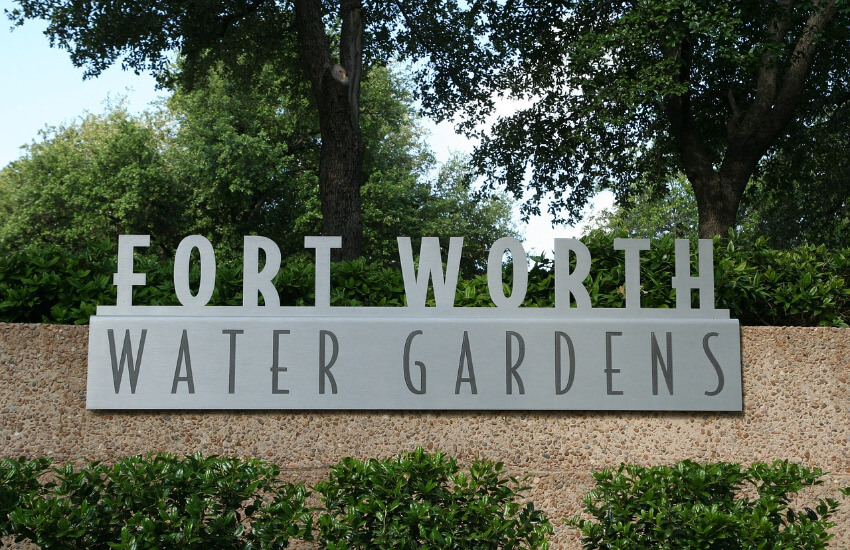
{"x":796,"y":407}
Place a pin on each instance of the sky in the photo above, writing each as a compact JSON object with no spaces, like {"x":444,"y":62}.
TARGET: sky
{"x":40,"y":87}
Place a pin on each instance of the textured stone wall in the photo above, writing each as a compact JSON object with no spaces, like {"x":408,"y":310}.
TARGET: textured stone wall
{"x":796,"y":407}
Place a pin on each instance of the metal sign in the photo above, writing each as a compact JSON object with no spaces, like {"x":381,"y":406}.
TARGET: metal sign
{"x":195,"y":356}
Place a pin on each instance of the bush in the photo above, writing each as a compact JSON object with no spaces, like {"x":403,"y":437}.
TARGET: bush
{"x":158,"y":501}
{"x":422,"y":500}
{"x":711,"y":507}
{"x":49,"y":284}
{"x":413,"y":500}
{"x":803,"y":286}
{"x":19,"y":481}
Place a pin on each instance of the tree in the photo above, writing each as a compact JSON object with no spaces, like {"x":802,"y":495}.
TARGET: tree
{"x":330,"y":39}
{"x":247,"y":151}
{"x":803,"y":193}
{"x":651,"y":215}
{"x":448,"y":206}
{"x":627,"y":94}
{"x":91,"y":180}
{"x":229,"y":158}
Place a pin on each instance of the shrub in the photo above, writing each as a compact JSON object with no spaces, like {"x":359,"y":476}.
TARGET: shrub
{"x":162,"y":501}
{"x":803,"y":286}
{"x":711,"y":507}
{"x":422,"y":500}
{"x":19,"y":481}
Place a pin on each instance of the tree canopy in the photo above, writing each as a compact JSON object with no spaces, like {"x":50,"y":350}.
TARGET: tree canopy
{"x":619,"y":95}
{"x":226,"y":159}
{"x":625,"y":95}
{"x":91,"y":180}
{"x":336,"y":43}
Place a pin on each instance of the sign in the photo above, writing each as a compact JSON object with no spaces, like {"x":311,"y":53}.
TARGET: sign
{"x":569,"y":357}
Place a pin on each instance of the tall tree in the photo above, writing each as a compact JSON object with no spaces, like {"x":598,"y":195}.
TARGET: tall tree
{"x":625,"y":94}
{"x":248,"y":151}
{"x":229,"y":158}
{"x":329,"y":37}
{"x":91,"y":180}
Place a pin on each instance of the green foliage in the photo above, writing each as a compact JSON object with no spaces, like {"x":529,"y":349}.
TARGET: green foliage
{"x":413,"y":500}
{"x":19,"y":481}
{"x":158,"y":501}
{"x":93,"y":179}
{"x":422,"y":500}
{"x":254,"y":44}
{"x":235,"y":157}
{"x":625,"y":95}
{"x":46,"y":283}
{"x":247,"y":151}
{"x":777,"y":211}
{"x":803,"y":286}
{"x":653,"y":213}
{"x":715,"y":506}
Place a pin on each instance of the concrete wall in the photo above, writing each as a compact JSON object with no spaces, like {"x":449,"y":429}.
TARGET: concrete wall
{"x":796,"y":400}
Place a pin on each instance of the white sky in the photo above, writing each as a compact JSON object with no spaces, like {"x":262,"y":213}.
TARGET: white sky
{"x":41,"y":87}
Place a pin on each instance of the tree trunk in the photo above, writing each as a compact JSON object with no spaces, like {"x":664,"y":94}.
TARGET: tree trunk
{"x":340,"y":174}
{"x":718,"y":198}
{"x":336,"y":89}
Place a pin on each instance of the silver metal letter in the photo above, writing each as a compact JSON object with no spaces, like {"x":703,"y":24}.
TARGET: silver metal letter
{"x":254,"y":281}
{"x":494,"y":272}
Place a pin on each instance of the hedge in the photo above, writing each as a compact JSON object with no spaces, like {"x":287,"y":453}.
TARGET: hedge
{"x":715,"y":506}
{"x":804,"y":286}
{"x":413,"y":500}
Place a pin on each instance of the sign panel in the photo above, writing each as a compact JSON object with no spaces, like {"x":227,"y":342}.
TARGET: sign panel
{"x":569,"y":357}
{"x":393,"y":361}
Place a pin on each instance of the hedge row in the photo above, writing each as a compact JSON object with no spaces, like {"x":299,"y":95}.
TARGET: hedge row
{"x":805,"y":286}
{"x":414,"y":500}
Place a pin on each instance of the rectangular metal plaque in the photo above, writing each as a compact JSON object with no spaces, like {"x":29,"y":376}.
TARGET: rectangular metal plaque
{"x":401,"y":358}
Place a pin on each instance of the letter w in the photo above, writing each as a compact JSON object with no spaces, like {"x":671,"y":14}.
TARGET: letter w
{"x":126,"y":357}
{"x":430,"y":268}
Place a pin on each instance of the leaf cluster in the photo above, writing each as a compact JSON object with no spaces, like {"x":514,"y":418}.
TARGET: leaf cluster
{"x":155,"y":501}
{"x":714,"y":506}
{"x":422,"y":500}
{"x":414,"y":500}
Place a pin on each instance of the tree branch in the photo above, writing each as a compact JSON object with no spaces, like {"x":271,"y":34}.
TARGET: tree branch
{"x":351,"y":53}
{"x":695,"y":157}
{"x":228,"y":20}
{"x":768,"y":76}
{"x":776,"y":103}
{"x":801,"y":61}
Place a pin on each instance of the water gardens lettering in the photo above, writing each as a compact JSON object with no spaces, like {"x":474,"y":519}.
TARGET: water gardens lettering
{"x":568,"y":357}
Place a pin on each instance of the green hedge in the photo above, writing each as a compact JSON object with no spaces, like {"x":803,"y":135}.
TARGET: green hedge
{"x":159,"y":501}
{"x":413,"y":500}
{"x":715,"y":506}
{"x":422,"y":500}
{"x":805,"y":286}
